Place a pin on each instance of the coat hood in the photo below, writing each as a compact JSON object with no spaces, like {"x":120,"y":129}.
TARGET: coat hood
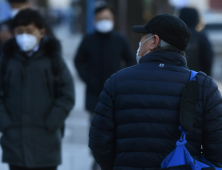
{"x":48,"y":45}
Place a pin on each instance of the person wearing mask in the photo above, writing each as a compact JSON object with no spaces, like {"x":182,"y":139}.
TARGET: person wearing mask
{"x":137,"y":119}
{"x":6,"y":27}
{"x":199,"y":50}
{"x":101,"y":54}
{"x":37,"y":94}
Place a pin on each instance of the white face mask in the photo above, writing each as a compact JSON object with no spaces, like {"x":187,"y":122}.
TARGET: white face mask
{"x":138,"y":51}
{"x":104,"y":26}
{"x":14,"y":12}
{"x":26,"y":42}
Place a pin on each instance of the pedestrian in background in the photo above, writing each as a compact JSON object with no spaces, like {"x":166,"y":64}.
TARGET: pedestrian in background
{"x":6,"y":31}
{"x":199,"y":50}
{"x":137,"y":119}
{"x":37,"y":94}
{"x":6,"y":27}
{"x":100,"y":55}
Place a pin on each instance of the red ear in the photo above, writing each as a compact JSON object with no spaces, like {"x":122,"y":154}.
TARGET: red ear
{"x":156,"y":41}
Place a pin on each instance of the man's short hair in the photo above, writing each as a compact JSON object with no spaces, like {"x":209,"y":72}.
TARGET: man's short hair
{"x":101,"y":8}
{"x":164,"y":46}
{"x":27,"y":17}
{"x":17,"y":1}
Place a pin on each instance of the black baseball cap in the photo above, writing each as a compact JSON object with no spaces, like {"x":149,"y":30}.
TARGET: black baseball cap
{"x":169,"y":28}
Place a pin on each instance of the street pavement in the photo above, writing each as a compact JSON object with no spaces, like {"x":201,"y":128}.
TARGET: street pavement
{"x":75,"y":152}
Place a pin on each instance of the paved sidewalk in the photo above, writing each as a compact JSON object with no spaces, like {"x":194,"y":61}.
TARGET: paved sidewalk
{"x":76,"y":155}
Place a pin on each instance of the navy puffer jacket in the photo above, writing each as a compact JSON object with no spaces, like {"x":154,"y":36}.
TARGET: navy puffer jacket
{"x":136,"y":124}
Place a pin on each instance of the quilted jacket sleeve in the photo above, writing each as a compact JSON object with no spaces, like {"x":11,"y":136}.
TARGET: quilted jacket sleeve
{"x":81,"y":61}
{"x":212,"y":135}
{"x":102,"y":131}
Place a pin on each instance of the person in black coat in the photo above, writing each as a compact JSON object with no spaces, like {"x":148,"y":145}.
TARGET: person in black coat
{"x":101,"y":54}
{"x":136,"y":124}
{"x":199,"y":50}
{"x":37,"y":94}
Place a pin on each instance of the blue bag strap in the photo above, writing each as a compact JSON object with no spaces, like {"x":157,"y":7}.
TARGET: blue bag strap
{"x":193,"y":75}
{"x":180,"y":157}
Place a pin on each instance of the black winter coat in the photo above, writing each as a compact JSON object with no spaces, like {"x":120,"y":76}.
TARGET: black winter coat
{"x":136,"y":124}
{"x":99,"y":56}
{"x":199,"y":52}
{"x":33,"y":106}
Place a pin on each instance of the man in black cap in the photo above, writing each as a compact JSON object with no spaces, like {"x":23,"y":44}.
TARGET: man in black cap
{"x":136,"y":124}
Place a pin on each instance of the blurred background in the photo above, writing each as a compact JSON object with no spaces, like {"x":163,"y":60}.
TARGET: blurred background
{"x":72,"y":19}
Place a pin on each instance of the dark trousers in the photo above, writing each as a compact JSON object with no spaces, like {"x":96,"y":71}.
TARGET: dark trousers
{"x":23,"y":168}
{"x":95,"y":165}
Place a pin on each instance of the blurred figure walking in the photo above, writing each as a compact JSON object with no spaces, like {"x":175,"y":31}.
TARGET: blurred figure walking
{"x":37,"y":95}
{"x":6,"y":30}
{"x":100,"y":55}
{"x":199,"y":50}
{"x":6,"y":27}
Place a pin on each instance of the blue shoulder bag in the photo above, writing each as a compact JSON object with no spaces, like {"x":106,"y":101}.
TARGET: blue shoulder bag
{"x":180,"y":158}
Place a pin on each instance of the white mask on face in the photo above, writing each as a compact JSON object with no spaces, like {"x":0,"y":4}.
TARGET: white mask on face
{"x":26,"y":42}
{"x":14,"y":12}
{"x":138,"y":51}
{"x":104,"y":26}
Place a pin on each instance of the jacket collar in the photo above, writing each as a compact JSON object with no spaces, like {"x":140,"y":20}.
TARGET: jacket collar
{"x":104,"y":35}
{"x":35,"y":53}
{"x":167,"y":57}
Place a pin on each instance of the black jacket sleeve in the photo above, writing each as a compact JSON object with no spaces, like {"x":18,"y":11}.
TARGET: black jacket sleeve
{"x":128,"y":56}
{"x":81,"y":61}
{"x":102,"y":131}
{"x":212,"y":125}
{"x":5,"y":121}
{"x":64,"y":101}
{"x":206,"y":54}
